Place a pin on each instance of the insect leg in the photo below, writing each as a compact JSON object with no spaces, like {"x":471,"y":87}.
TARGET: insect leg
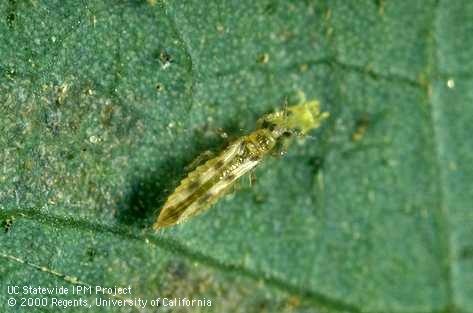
{"x":252,"y":178}
{"x":200,"y":159}
{"x":283,"y":143}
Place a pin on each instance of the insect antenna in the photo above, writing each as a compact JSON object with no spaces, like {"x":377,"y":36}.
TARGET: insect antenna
{"x":285,"y":114}
{"x":285,"y":109}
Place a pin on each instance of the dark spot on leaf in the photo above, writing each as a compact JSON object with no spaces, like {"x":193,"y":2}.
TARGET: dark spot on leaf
{"x":293,"y":302}
{"x":106,"y":115}
{"x":380,"y":4}
{"x":466,"y":253}
{"x":7,"y":224}
{"x":9,"y":72}
{"x":178,"y":270}
{"x":52,"y":121}
{"x":361,"y":125}
{"x":10,"y":19}
{"x":263,"y":58}
{"x":165,"y":58}
{"x":260,"y":197}
{"x":11,"y":13}
{"x":262,"y":305}
{"x":316,"y":163}
{"x":66,"y":154}
{"x":159,"y":87}
{"x":270,"y":8}
{"x":91,"y":252}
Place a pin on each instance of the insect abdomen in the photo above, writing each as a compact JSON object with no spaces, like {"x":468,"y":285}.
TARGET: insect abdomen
{"x":194,"y":188}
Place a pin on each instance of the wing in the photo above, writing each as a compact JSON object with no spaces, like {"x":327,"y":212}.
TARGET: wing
{"x":195,"y":185}
{"x":216,"y":191}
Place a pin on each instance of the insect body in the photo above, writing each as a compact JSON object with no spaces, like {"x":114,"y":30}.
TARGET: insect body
{"x":208,"y":182}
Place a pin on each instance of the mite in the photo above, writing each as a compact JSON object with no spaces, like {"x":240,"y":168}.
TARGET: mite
{"x":210,"y":181}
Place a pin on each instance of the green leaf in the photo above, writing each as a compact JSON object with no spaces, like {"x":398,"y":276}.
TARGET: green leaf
{"x":102,"y":105}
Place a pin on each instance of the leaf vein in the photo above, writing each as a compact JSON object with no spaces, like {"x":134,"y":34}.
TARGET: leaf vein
{"x":441,"y":215}
{"x":176,"y":247}
{"x":67,"y":278}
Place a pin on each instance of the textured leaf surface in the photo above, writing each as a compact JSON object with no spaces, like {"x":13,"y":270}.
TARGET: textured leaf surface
{"x":102,"y":104}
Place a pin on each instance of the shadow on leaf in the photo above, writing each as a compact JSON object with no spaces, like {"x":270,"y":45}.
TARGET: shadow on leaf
{"x":148,"y":190}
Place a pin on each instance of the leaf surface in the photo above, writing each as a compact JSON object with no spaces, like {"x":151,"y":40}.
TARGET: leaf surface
{"x":103,"y":104}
